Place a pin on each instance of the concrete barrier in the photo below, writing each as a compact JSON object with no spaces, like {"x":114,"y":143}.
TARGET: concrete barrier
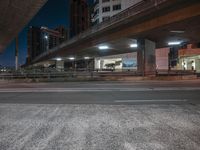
{"x":100,"y":78}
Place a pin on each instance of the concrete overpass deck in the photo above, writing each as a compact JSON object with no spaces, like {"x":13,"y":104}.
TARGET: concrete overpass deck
{"x":153,"y":20}
{"x":14,"y":15}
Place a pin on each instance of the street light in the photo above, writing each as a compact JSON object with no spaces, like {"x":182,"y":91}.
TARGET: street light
{"x":174,"y":43}
{"x":178,"y":31}
{"x":103,"y":47}
{"x":86,"y":58}
{"x":46,"y":37}
{"x":46,"y":41}
{"x":134,"y":45}
{"x":71,"y":58}
{"x":58,"y":59}
{"x":73,"y":62}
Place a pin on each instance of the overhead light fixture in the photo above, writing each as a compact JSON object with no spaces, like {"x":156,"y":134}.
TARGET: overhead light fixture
{"x":58,"y":59}
{"x":46,"y":37}
{"x":86,"y":58}
{"x":134,"y":45}
{"x":71,"y":58}
{"x":103,"y":47}
{"x":178,"y":31}
{"x":174,"y":43}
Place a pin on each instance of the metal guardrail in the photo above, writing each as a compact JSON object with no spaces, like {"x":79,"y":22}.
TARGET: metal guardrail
{"x":90,"y":75}
{"x":175,"y":72}
{"x":134,"y":10}
{"x":67,"y":75}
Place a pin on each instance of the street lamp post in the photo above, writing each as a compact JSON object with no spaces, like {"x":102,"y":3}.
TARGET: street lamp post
{"x":47,"y":42}
{"x":16,"y":53}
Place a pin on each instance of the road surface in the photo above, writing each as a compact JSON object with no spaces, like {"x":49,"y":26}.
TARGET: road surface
{"x":146,"y":92}
{"x":148,"y":115}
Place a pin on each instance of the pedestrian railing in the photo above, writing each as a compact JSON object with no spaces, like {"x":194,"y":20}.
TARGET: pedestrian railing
{"x":69,"y":74}
{"x":166,"y":72}
{"x":89,"y":74}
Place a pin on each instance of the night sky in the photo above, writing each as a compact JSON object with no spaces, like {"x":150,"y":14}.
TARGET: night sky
{"x":53,"y":14}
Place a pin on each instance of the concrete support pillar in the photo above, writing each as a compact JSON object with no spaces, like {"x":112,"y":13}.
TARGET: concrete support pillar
{"x":146,"y":57}
{"x":60,"y":65}
{"x":197,"y":65}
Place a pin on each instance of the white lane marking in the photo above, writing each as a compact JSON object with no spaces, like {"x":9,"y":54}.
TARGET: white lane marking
{"x":42,"y":90}
{"x":150,"y":100}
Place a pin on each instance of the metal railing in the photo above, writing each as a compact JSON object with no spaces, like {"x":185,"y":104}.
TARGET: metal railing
{"x":131,"y":11}
{"x":134,"y":10}
{"x":87,"y":74}
{"x":65,"y":75}
{"x":175,"y":72}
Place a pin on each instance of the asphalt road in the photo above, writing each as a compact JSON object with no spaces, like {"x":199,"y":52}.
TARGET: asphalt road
{"x":53,"y":117}
{"x":146,"y":92}
{"x":99,"y":127}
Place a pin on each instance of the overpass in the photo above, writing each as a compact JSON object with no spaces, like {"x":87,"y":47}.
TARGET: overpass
{"x":14,"y":15}
{"x":156,"y":20}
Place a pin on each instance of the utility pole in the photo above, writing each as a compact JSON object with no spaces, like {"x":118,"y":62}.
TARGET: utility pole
{"x":16,"y":53}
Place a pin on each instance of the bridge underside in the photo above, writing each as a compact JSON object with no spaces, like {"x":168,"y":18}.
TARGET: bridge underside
{"x":189,"y":33}
{"x":14,"y":15}
{"x":157,"y":29}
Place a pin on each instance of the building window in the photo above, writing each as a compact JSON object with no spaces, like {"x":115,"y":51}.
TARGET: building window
{"x":106,"y":9}
{"x":103,"y":1}
{"x":116,"y":7}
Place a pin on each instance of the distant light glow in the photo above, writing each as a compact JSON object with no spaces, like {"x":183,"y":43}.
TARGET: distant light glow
{"x":58,"y":59}
{"x":178,"y":31}
{"x":71,"y":58}
{"x":174,"y":43}
{"x":103,"y":47}
{"x":46,"y":37}
{"x":134,"y":45}
{"x":86,"y":58}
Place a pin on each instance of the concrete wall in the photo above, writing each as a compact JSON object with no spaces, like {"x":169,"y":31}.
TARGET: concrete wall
{"x":162,"y":58}
{"x":60,"y":65}
{"x":150,"y":62}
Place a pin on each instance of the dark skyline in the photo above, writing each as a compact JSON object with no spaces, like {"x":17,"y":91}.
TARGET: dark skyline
{"x":52,"y":14}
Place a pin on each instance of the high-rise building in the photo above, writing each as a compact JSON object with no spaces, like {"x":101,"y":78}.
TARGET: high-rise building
{"x":79,"y":16}
{"x":49,"y":38}
{"x":104,"y":9}
{"x":41,"y":39}
{"x":64,"y":33}
{"x":33,"y":39}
